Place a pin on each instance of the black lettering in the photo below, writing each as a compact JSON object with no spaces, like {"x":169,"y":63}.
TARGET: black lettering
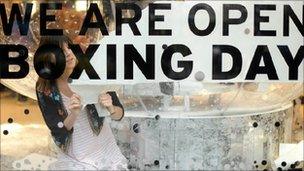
{"x":15,"y":12}
{"x":87,"y":23}
{"x":289,"y":13}
{"x":258,"y":19}
{"x":217,"y":62}
{"x":228,"y":21}
{"x":131,"y":21}
{"x":84,"y":61}
{"x":49,"y":61}
{"x":293,"y":63}
{"x":167,"y":58}
{"x":262,"y":53}
{"x":44,"y":18}
{"x":111,"y":61}
{"x":5,"y":61}
{"x":153,"y":18}
{"x":147,"y":67}
{"x":191,"y":19}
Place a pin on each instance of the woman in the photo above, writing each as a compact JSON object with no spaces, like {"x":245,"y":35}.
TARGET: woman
{"x":85,"y":139}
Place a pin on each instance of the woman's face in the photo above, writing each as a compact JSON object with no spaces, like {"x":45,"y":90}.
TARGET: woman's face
{"x":70,"y":58}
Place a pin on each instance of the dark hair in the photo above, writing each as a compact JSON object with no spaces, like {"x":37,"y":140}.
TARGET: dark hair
{"x":48,"y":58}
{"x":55,"y":40}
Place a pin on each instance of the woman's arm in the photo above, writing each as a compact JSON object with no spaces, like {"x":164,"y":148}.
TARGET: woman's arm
{"x":113,"y":105}
{"x":70,"y":120}
{"x":74,"y":107}
{"x":116,"y":112}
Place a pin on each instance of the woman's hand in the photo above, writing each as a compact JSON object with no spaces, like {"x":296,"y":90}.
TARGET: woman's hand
{"x":75,"y":107}
{"x":105,"y":100}
{"x":75,"y":104}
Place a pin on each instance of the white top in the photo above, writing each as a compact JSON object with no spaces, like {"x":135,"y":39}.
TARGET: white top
{"x":88,"y":151}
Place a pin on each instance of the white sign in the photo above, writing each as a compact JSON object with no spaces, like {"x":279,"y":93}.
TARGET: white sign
{"x":210,"y":41}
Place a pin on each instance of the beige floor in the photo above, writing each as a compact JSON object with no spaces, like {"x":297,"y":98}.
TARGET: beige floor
{"x":26,"y":135}
{"x":11,"y":108}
